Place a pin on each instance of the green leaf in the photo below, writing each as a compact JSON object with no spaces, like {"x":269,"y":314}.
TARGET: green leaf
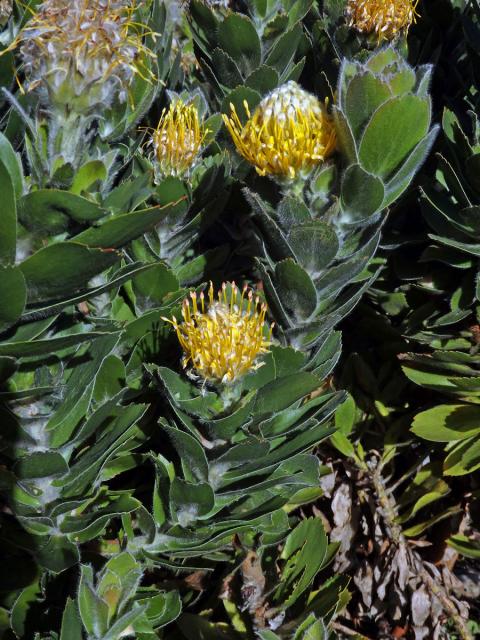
{"x":125,"y":623}
{"x":156,"y":283}
{"x":283,"y":51}
{"x":401,"y":180}
{"x":13,"y":296}
{"x":58,"y":554}
{"x":312,"y":629}
{"x":304,"y":551}
{"x":41,"y":464}
{"x":163,"y":608}
{"x":295,"y":289}
{"x":8,"y":366}
{"x":19,"y":615}
{"x":52,"y":210}
{"x":264,"y":79}
{"x":89,"y":525}
{"x":226,"y":69}
{"x":40,"y":347}
{"x":85,"y":469}
{"x":110,"y":378}
{"x":315,"y":245}
{"x":119,"y":277}
{"x":283,"y":392}
{"x":190,"y":502}
{"x":78,"y":391}
{"x":393,"y":131}
{"x":93,"y":610}
{"x":362,"y":194}
{"x":365,"y":93}
{"x":63,"y":268}
{"x":71,"y":624}
{"x":346,"y":141}
{"x":296,"y":10}
{"x":447,"y":423}
{"x":13,"y":164}
{"x":191,"y":454}
{"x":237,"y":97}
{"x":91,"y":172}
{"x":381,"y":59}
{"x":238,"y":37}
{"x":8,"y":220}
{"x":464,"y":458}
{"x":118,"y":231}
{"x":469,"y":548}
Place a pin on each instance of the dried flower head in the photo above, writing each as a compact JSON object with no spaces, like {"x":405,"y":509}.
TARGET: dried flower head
{"x":385,"y":18}
{"x":222,"y":339}
{"x":289,"y":133}
{"x":6,"y":8}
{"x":83,"y":54}
{"x":178,"y":139}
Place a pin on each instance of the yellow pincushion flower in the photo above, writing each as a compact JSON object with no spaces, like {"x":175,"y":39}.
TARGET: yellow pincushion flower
{"x":223,"y":339}
{"x":178,"y":139}
{"x":385,"y":18}
{"x":289,"y":133}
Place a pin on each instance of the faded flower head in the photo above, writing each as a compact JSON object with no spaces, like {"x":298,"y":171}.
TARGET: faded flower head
{"x":385,"y":18}
{"x":6,"y":8}
{"x":223,"y":338}
{"x":83,"y":54}
{"x":289,"y":133}
{"x":178,"y":139}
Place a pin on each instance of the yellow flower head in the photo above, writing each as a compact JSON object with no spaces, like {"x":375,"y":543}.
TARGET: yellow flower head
{"x":83,"y":53}
{"x":289,"y":133}
{"x":178,"y":139}
{"x":385,"y":18}
{"x":223,"y":338}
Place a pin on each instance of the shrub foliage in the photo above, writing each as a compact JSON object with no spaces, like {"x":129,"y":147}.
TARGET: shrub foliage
{"x":239,"y":319}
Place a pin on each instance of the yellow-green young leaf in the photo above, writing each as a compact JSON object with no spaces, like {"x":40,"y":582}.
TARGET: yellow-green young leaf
{"x":464,"y":458}
{"x":464,"y":545}
{"x":447,"y":423}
